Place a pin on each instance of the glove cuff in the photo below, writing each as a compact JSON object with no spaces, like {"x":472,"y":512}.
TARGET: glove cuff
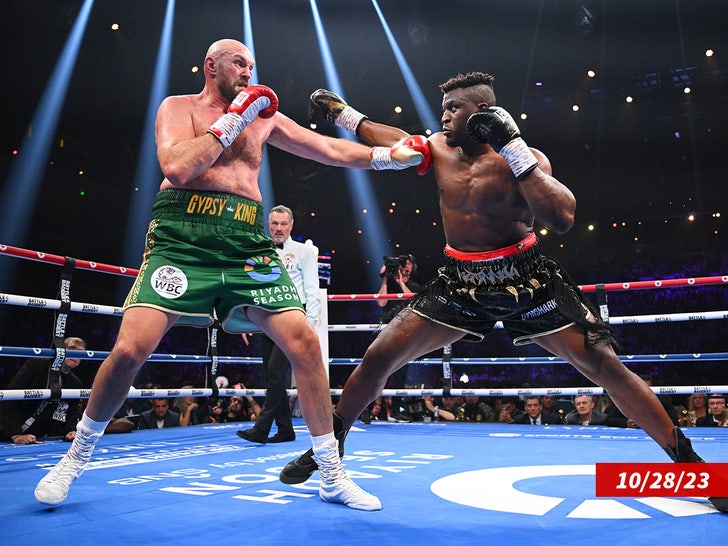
{"x":227,"y":128}
{"x":519,"y":157}
{"x":380,"y":158}
{"x":349,"y":119}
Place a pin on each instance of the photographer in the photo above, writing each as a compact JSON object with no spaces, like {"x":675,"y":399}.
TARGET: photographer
{"x":396,"y":274}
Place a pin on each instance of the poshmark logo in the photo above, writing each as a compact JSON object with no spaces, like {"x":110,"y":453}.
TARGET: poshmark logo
{"x":169,"y":282}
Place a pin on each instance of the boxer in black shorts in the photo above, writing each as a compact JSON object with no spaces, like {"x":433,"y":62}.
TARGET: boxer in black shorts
{"x":492,"y":188}
{"x":530,"y":294}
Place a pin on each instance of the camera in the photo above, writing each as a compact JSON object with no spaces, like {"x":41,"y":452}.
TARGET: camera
{"x":393,"y":263}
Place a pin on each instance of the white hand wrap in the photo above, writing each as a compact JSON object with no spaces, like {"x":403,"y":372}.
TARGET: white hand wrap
{"x":519,"y":157}
{"x":227,"y":128}
{"x":349,"y":119}
{"x":380,"y":158}
{"x":394,"y":159}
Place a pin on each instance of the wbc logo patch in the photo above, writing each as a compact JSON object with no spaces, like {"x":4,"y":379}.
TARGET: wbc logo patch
{"x":169,"y":282}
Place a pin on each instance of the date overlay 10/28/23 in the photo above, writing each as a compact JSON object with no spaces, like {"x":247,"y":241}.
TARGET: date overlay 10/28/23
{"x":662,"y":479}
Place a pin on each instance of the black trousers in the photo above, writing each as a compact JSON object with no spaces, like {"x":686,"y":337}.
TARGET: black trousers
{"x":278,"y":378}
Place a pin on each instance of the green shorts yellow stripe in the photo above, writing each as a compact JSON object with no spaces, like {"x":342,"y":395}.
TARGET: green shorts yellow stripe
{"x":206,"y":255}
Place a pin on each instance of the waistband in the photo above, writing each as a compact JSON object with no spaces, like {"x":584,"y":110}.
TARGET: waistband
{"x":210,"y":207}
{"x":508,"y":266}
{"x":497,"y":254}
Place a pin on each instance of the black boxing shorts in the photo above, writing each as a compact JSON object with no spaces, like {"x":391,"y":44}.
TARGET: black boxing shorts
{"x":530,"y":294}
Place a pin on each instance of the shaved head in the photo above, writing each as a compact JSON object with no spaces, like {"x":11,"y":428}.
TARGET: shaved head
{"x":227,"y":46}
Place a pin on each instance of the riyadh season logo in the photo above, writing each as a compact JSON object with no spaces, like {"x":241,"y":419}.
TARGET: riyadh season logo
{"x":262,"y":269}
{"x":169,"y":282}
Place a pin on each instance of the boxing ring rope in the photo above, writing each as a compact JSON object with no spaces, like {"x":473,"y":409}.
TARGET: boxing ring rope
{"x":55,"y":259}
{"x":45,"y":303}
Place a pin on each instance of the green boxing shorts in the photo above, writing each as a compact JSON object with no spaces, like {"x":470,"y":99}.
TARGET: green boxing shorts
{"x":206,"y":256}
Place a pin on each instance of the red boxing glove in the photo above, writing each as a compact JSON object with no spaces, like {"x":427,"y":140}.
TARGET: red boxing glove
{"x":254,"y":101}
{"x":398,"y":157}
{"x":422,"y":145}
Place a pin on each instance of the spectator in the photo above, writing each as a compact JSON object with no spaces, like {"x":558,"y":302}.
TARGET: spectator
{"x":583,"y":413}
{"x":191,"y":411}
{"x":374,"y":412}
{"x":160,"y":416}
{"x":475,"y":409}
{"x":438,"y":413}
{"x":508,"y":409}
{"x":534,"y":414}
{"x":697,"y":409}
{"x":716,"y":409}
{"x":242,"y":408}
{"x":24,"y":421}
{"x":549,"y":405}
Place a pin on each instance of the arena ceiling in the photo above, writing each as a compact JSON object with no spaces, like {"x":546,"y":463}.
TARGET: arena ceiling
{"x":643,"y":163}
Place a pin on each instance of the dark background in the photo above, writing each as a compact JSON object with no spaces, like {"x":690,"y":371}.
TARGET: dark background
{"x":643,"y":166}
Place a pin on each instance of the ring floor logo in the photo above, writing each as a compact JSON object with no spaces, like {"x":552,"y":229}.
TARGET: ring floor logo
{"x":507,"y":491}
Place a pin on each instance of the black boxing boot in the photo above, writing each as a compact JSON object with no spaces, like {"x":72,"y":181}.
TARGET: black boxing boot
{"x":683,"y":453}
{"x":301,"y":469}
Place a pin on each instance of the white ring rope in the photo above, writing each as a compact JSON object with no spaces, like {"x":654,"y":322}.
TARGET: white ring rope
{"x":39,"y":394}
{"x":44,"y":303}
{"x":37,"y":352}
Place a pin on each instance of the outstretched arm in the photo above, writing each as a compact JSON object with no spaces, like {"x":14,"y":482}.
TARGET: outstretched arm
{"x":378,"y":134}
{"x":332,"y":107}
{"x":335,"y":110}
{"x":339,"y":152}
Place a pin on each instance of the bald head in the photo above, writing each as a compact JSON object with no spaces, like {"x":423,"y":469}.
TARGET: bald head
{"x":227,"y":46}
{"x":228,"y":67}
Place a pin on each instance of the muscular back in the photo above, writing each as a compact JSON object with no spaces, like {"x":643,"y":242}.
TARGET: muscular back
{"x":480,"y":204}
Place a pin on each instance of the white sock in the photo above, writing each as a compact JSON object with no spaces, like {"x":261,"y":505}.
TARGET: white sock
{"x":321,"y":443}
{"x":95,"y":427}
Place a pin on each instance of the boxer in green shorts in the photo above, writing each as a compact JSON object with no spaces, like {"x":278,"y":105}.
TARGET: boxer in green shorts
{"x":206,"y":253}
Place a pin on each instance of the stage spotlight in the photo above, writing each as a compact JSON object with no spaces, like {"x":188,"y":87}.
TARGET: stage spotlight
{"x":358,"y":181}
{"x":427,"y":118}
{"x":148,"y":173}
{"x":265,"y":177}
{"x":24,"y":177}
